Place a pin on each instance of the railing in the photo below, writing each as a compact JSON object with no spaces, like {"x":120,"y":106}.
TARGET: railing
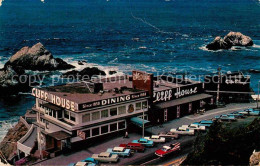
{"x":21,"y":146}
{"x":24,"y":122}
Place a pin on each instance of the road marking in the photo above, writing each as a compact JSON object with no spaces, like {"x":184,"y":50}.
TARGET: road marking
{"x":232,"y":109}
{"x":150,"y":161}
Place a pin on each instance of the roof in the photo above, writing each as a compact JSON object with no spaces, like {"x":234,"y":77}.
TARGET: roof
{"x":80,"y":163}
{"x":166,"y":147}
{"x":105,"y":154}
{"x":138,"y":121}
{"x":180,"y":101}
{"x":52,"y":106}
{"x":60,"y":135}
{"x":155,"y":136}
{"x":118,"y":149}
{"x":142,"y":139}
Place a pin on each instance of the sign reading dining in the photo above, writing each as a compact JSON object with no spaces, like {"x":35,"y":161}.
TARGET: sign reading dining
{"x":65,"y":103}
{"x":113,"y":100}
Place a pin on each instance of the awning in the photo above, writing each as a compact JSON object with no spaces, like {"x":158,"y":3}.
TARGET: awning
{"x":184,"y":100}
{"x":60,"y":135}
{"x":255,"y":97}
{"x":138,"y":121}
{"x":52,"y":106}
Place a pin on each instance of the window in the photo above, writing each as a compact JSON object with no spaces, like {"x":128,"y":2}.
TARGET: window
{"x":121,"y":125}
{"x":87,"y":133}
{"x":104,"y":129}
{"x":121,"y":110}
{"x":85,"y":118}
{"x":59,"y":114}
{"x":66,"y":114}
{"x":113,"y":127}
{"x":95,"y":131}
{"x":104,"y":113}
{"x":47,"y":125}
{"x":138,"y":106}
{"x":113,"y":111}
{"x":96,"y":115}
{"x":54,"y":114}
{"x":144,"y":104}
{"x":72,"y":117}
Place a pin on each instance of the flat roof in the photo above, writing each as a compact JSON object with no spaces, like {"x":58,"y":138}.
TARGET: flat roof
{"x":79,"y":93}
{"x":60,"y":135}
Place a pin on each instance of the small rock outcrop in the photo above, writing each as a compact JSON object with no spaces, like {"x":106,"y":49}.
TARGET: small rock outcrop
{"x":84,"y":74}
{"x":254,"y":159}
{"x":231,"y":39}
{"x":8,"y":146}
{"x":37,"y":58}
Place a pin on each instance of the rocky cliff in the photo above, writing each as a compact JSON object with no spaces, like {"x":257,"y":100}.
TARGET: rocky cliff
{"x":8,"y":145}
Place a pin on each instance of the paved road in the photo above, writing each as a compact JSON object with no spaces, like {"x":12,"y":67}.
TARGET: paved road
{"x":148,"y":155}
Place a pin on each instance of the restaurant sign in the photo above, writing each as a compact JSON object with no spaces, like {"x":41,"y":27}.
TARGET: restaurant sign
{"x":59,"y":101}
{"x":114,"y":100}
{"x":175,"y":93}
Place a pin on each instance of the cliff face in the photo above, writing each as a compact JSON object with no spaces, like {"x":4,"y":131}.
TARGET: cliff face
{"x":8,"y":145}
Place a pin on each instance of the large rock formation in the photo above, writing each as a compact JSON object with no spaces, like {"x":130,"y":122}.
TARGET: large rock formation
{"x":231,"y":39}
{"x":37,"y":58}
{"x":8,"y":145}
{"x":11,"y":83}
{"x":84,"y":74}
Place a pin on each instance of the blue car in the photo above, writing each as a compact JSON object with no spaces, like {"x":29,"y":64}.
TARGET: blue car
{"x":250,"y":111}
{"x":120,"y":151}
{"x":226,"y":117}
{"x":236,"y":114}
{"x":206,"y":123}
{"x":144,"y":142}
{"x":90,"y":161}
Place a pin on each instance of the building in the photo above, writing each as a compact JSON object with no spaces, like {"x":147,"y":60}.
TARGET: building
{"x":233,"y":87}
{"x":71,"y":115}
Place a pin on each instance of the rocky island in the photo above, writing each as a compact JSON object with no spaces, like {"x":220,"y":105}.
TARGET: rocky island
{"x":231,"y":39}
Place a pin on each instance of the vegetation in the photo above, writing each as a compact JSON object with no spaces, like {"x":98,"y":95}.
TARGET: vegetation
{"x":226,"y":144}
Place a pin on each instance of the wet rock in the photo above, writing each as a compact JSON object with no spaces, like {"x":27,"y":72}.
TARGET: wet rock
{"x":231,"y":39}
{"x":85,"y":74}
{"x":112,"y":72}
{"x":37,"y":58}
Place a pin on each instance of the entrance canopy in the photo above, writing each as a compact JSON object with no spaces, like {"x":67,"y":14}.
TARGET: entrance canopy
{"x":184,"y":100}
{"x":60,"y":135}
{"x":138,"y":121}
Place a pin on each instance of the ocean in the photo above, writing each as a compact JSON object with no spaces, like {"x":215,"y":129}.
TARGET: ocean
{"x":154,"y":36}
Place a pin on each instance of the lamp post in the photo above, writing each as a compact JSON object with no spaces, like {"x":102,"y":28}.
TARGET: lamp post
{"x":219,"y":75}
{"x":143,"y":123}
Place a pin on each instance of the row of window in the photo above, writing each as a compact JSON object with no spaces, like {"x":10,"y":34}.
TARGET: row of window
{"x":105,"y":129}
{"x":69,"y":115}
{"x":113,"y":112}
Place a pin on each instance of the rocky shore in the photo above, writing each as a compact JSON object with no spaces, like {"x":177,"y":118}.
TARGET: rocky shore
{"x":8,"y":145}
{"x":230,"y":40}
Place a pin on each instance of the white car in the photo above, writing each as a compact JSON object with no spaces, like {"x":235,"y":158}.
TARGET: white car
{"x":156,"y":138}
{"x":194,"y":127}
{"x":183,"y":131}
{"x":106,"y":157}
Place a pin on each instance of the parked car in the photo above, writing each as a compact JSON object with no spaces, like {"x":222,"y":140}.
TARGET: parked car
{"x":120,"y":151}
{"x":156,"y":138}
{"x":225,"y":117}
{"x":145,"y":142}
{"x":90,"y":161}
{"x":237,"y":114}
{"x":194,"y":127}
{"x":169,"y":135}
{"x":166,"y":150}
{"x":134,"y":146}
{"x":206,"y":123}
{"x":106,"y":157}
{"x":250,"y":111}
{"x":183,"y":131}
{"x":81,"y":163}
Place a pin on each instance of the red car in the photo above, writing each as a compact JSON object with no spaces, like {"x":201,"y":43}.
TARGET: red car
{"x":133,"y":146}
{"x":168,"y":149}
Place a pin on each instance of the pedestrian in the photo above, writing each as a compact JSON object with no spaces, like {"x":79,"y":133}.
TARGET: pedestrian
{"x":126,"y":135}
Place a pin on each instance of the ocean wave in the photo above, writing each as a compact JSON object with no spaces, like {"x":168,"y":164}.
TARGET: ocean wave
{"x":203,"y":47}
{"x":256,"y":46}
{"x":1,"y":1}
{"x":5,"y":125}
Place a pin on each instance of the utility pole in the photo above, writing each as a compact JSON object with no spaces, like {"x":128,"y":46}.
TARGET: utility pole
{"x":143,"y":122}
{"x":258,"y":94}
{"x":219,"y":77}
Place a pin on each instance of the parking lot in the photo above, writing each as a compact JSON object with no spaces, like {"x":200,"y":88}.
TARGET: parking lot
{"x":139,"y":158}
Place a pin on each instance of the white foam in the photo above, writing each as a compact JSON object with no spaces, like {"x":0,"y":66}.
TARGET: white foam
{"x":256,"y":46}
{"x":6,"y":125}
{"x":1,"y":1}
{"x":203,"y":47}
